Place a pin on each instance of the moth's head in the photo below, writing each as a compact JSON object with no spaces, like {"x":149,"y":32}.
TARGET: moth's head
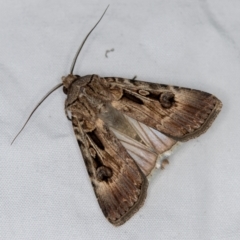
{"x":67,"y":82}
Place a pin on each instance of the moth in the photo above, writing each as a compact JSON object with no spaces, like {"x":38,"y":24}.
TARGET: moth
{"x":125,"y":128}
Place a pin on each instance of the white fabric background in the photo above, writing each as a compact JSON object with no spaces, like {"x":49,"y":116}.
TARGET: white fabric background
{"x":45,"y":192}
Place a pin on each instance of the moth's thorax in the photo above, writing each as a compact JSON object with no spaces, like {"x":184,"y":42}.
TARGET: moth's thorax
{"x":73,"y":85}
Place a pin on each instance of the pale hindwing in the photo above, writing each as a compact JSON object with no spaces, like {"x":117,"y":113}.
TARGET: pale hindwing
{"x":119,"y":184}
{"x":149,"y":149}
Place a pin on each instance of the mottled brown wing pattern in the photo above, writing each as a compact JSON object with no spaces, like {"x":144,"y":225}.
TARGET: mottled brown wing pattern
{"x":119,"y":184}
{"x":112,"y":120}
{"x":180,"y":113}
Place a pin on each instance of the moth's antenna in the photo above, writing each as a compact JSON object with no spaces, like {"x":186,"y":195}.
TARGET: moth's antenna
{"x":51,"y":91}
{"x":59,"y":85}
{"x":80,"y":48}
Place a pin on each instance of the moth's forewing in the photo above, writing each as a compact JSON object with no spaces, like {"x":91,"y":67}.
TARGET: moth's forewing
{"x":119,"y":184}
{"x":180,"y":113}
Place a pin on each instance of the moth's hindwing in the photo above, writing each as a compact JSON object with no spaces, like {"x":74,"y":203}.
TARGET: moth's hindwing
{"x":112,"y":120}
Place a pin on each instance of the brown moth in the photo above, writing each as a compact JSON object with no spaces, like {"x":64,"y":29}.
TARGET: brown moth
{"x":126,"y":127}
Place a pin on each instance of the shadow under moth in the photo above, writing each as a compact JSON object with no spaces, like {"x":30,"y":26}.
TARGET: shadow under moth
{"x":125,"y":128}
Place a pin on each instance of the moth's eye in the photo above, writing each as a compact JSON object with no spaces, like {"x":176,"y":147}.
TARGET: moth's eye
{"x":167,"y":99}
{"x":65,"y":90}
{"x":103,"y":173}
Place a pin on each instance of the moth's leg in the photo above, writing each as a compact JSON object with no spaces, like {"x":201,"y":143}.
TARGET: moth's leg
{"x":134,"y":78}
{"x":66,"y":113}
